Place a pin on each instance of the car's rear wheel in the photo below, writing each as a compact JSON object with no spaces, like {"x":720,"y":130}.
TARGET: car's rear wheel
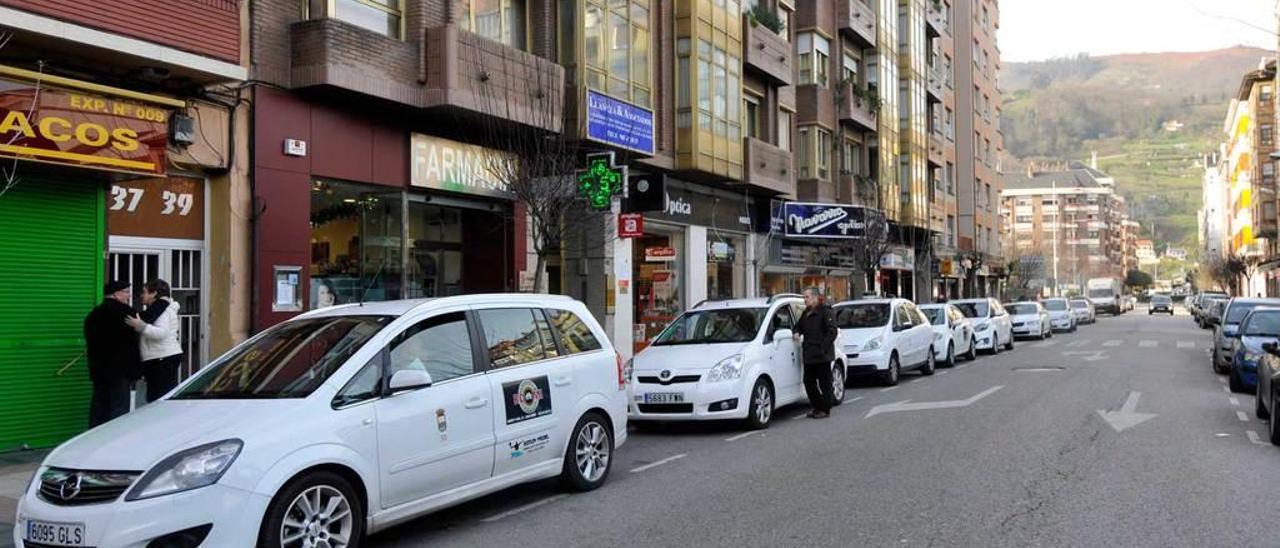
{"x":760,"y":411}
{"x":837,"y":383}
{"x":929,"y":364}
{"x":1010,"y":345}
{"x":1233,"y":380}
{"x":890,"y":376}
{"x":318,"y":509}
{"x":1216,"y":367}
{"x":951,"y":355}
{"x":590,"y":455}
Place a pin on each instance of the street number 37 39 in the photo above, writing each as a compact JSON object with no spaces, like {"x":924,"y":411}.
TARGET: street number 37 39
{"x":127,"y":199}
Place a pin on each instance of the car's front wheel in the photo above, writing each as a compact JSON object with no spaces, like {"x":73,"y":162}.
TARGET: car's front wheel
{"x":1233,"y":380}
{"x":317,"y":509}
{"x":837,"y":384}
{"x":951,"y":356}
{"x":590,"y":455}
{"x":973,"y":350}
{"x":1260,"y":410}
{"x":760,"y":411}
{"x":1010,"y":345}
{"x":890,"y":376}
{"x":929,"y":364}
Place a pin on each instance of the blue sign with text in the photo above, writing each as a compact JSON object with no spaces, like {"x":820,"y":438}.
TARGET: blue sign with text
{"x":619,"y":123}
{"x":807,"y":220}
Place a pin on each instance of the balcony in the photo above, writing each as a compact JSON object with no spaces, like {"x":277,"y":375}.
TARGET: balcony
{"x":936,"y":20}
{"x":767,"y":167}
{"x":858,"y":106}
{"x":935,"y":84}
{"x":857,"y":21}
{"x":767,"y":52}
{"x":937,"y":149}
{"x":463,"y":72}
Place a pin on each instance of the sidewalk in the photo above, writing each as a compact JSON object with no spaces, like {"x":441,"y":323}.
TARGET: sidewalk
{"x":15,"y":470}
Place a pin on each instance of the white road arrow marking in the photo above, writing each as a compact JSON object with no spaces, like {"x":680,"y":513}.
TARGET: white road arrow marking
{"x":1088,"y":355}
{"x":929,"y":405}
{"x":1127,"y":417}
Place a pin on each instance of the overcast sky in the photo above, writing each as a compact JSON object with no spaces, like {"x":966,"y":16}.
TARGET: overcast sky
{"x":1033,"y":30}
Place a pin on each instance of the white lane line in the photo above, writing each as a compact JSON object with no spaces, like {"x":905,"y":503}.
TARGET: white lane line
{"x":1234,"y":401}
{"x":1187,"y":344}
{"x":1077,"y":344}
{"x":1226,"y":389}
{"x":1222,"y":435}
{"x":941,"y":373}
{"x":895,"y":387}
{"x":740,"y":436}
{"x":1253,"y":437}
{"x":654,"y":464}
{"x":526,"y":507}
{"x":1243,"y":417}
{"x":962,"y":366}
{"x":1113,"y":343}
{"x":1222,"y":380}
{"x":1147,"y":344}
{"x":798,"y":417}
{"x":853,"y":400}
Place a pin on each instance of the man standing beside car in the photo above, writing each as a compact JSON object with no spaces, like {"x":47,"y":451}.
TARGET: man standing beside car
{"x":817,"y":332}
{"x":114,"y":357}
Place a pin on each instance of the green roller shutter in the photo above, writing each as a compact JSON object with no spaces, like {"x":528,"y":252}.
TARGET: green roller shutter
{"x":51,"y":275}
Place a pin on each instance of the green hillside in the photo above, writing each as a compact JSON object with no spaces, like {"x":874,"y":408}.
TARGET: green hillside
{"x":1065,"y":109}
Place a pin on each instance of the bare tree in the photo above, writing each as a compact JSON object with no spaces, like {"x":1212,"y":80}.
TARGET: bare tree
{"x":873,"y":245}
{"x":9,"y":175}
{"x":526,"y":119}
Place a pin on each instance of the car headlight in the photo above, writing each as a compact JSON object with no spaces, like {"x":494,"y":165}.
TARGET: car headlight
{"x":874,"y":343}
{"x":1250,"y":358}
{"x":982,"y":325}
{"x":728,"y":369}
{"x":200,"y":466}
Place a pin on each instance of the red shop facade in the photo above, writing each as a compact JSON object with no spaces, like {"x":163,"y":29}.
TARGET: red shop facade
{"x":351,"y":206}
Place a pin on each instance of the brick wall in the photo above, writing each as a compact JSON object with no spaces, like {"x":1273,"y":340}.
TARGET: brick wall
{"x":205,"y":27}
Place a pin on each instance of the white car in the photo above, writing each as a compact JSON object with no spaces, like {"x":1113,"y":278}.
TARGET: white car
{"x":1030,"y":319}
{"x":341,"y":422}
{"x":884,"y":337}
{"x":991,"y":324}
{"x":1061,"y":316}
{"x":1084,"y":310}
{"x":952,"y":334}
{"x":734,"y":359}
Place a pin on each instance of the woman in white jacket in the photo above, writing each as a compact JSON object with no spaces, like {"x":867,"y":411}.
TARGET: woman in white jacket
{"x":161,"y":339}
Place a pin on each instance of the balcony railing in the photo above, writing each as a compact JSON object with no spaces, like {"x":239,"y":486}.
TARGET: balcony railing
{"x":934,"y":84}
{"x":859,"y":105}
{"x":767,"y":52}
{"x":768,"y":167}
{"x":937,"y":149}
{"x":935,"y":19}
{"x":857,"y":21}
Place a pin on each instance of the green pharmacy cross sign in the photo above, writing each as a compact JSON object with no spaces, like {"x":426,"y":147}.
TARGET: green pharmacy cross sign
{"x":601,"y":181}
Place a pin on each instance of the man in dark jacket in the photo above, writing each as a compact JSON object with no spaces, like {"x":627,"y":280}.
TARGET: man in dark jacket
{"x":817,"y":330}
{"x":114,"y":359}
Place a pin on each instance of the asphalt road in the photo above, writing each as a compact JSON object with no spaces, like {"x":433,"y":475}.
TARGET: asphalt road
{"x":1032,"y":463}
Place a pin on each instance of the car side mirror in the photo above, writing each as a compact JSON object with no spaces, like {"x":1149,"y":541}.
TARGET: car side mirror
{"x":405,"y":380}
{"x":782,"y":335}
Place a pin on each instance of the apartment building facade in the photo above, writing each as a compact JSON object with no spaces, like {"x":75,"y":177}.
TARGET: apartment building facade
{"x":979,"y":145}
{"x":1249,"y":174}
{"x":1212,"y":216}
{"x":124,"y":143}
{"x":1069,"y":219}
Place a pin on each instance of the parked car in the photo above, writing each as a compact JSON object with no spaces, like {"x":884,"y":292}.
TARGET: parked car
{"x":884,"y":337}
{"x":1267,"y":394}
{"x":1084,"y":311}
{"x":952,"y":334}
{"x":1211,"y":311}
{"x":1030,"y":319}
{"x":1160,"y":303}
{"x":1225,"y":332}
{"x":1198,"y":305}
{"x":735,"y":359}
{"x":1260,"y":326}
{"x":1061,"y":317}
{"x":342,"y":419}
{"x":991,"y":323}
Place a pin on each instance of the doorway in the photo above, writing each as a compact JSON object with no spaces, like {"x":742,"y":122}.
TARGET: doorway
{"x":182,"y":265}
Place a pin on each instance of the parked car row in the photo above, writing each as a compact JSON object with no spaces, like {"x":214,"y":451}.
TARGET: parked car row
{"x":1246,"y":334}
{"x":350,"y":419}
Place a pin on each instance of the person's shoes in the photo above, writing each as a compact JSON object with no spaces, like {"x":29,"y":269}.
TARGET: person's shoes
{"x":812,"y":414}
{"x":819,"y":414}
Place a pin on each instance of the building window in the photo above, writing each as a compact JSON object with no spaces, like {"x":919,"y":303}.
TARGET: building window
{"x":950,"y":175}
{"x":380,"y":16}
{"x":849,"y":71}
{"x":498,"y":20}
{"x":616,"y":52}
{"x":1268,"y":170}
{"x":784,"y":129}
{"x":803,"y":157}
{"x":784,"y":15}
{"x":1266,"y":93}
{"x":814,"y":52}
{"x":824,"y":154}
{"x":751,"y":109}
{"x":684,"y":113}
{"x":852,"y":158}
{"x":1267,"y":133}
{"x":949,"y":124}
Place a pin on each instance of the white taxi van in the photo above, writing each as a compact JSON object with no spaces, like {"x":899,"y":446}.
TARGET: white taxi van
{"x":342,"y":422}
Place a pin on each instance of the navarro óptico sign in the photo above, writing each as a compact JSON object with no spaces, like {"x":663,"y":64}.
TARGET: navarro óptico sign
{"x":49,"y":124}
{"x":808,"y":220}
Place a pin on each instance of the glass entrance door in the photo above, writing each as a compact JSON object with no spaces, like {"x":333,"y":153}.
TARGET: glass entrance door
{"x":184,"y":270}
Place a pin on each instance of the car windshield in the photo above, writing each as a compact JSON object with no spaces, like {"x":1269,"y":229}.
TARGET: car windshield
{"x":1055,"y":305}
{"x":1237,"y":311}
{"x":937,"y":316}
{"x":1161,"y":299}
{"x":1101,"y":294}
{"x":1021,"y":309}
{"x":1080,"y":304}
{"x":1263,"y":324}
{"x":974,"y":309}
{"x":727,"y":325}
{"x":289,"y":360}
{"x":862,"y":315}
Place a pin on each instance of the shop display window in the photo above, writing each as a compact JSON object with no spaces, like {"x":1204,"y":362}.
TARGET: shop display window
{"x":355,"y":243}
{"x":726,"y":269}
{"x":657,"y":279}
